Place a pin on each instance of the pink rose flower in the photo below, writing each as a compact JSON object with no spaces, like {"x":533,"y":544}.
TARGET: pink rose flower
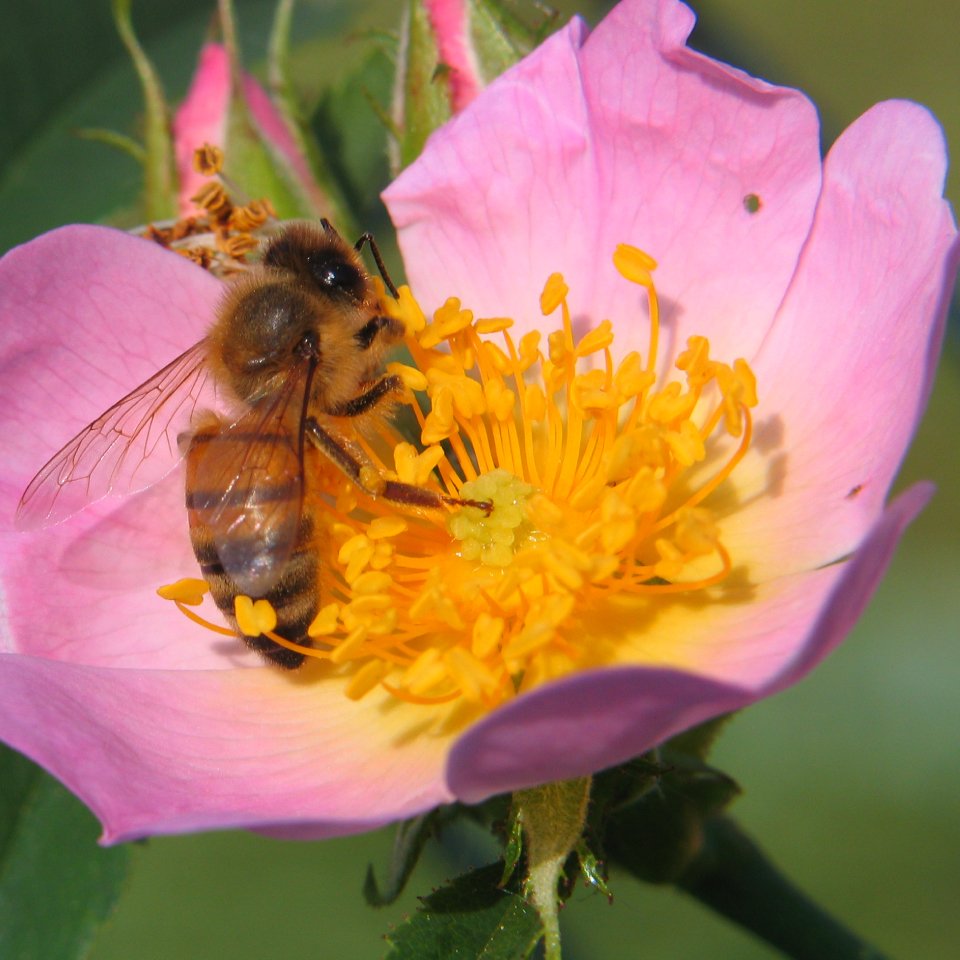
{"x":830,"y":278}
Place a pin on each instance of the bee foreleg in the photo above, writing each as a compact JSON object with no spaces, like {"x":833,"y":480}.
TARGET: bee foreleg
{"x":372,"y":329}
{"x":367,"y":400}
{"x":370,"y":481}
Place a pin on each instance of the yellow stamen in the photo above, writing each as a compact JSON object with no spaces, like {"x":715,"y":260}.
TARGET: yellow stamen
{"x":599,"y":473}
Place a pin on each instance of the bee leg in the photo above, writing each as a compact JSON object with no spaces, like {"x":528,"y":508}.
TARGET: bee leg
{"x":372,"y":329}
{"x":367,"y":400}
{"x":369,"y":480}
{"x":375,"y":250}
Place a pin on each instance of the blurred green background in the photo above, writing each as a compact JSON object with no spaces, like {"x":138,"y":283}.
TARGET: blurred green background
{"x":851,"y":778}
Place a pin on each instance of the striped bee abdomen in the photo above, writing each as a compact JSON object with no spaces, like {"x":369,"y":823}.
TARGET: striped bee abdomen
{"x":249,"y":531}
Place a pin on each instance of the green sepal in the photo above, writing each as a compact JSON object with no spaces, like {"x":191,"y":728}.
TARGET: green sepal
{"x":513,"y":849}
{"x":500,"y":36}
{"x":656,"y":836}
{"x":159,"y":170}
{"x":423,"y":90}
{"x":698,"y":741}
{"x":57,"y":887}
{"x":408,"y":843}
{"x":470,"y":918}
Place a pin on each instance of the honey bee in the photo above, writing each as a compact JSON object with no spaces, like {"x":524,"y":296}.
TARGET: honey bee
{"x":297,"y":344}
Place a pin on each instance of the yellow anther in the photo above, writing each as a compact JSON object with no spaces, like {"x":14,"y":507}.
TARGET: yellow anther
{"x":645,"y":491}
{"x":439,"y":424}
{"x":500,"y":400}
{"x":208,"y":160}
{"x":405,"y":309}
{"x":555,"y":291}
{"x":355,"y":554}
{"x":412,"y":378}
{"x":619,"y":523}
{"x":672,"y":403}
{"x":493,"y":325}
{"x":529,"y":350}
{"x":696,"y":362}
{"x":472,"y":677}
{"x":254,"y":618}
{"x":486,"y":636}
{"x":633,"y":264}
{"x":597,"y":339}
{"x":366,"y":678}
{"x":349,"y":648}
{"x":631,"y":379}
{"x":696,"y":531}
{"x":371,"y":582}
{"x":686,"y":444}
{"x":450,"y":319}
{"x":382,"y":528}
{"x":496,"y":358}
{"x":189,"y":590}
{"x":325,"y":622}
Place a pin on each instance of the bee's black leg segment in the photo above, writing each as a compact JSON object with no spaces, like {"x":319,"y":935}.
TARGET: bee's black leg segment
{"x":375,"y":250}
{"x":334,"y":450}
{"x":374,"y":327}
{"x":369,"y":481}
{"x":367,"y":400}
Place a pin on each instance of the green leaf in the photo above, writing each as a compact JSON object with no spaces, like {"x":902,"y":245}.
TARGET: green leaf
{"x":56,"y":885}
{"x":350,"y":130}
{"x":470,"y":919}
{"x":160,"y":195}
{"x":698,"y":741}
{"x":408,"y":843}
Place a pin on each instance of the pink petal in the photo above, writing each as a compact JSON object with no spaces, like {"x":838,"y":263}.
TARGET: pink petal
{"x":159,"y":726}
{"x":845,"y":373}
{"x":625,"y":136}
{"x":200,"y":119}
{"x":597,"y":719}
{"x":74,"y":339}
{"x":159,"y":751}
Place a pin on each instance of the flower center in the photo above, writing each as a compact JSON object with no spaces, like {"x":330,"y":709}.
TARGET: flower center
{"x":598,"y":474}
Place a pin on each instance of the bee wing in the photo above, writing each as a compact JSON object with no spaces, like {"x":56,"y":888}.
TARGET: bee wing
{"x":247,"y":483}
{"x":128,"y":448}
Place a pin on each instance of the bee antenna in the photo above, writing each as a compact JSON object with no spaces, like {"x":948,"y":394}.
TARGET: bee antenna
{"x":381,"y":266}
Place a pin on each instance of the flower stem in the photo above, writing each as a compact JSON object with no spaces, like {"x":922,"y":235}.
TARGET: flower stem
{"x":553,"y":817}
{"x":732,"y":876}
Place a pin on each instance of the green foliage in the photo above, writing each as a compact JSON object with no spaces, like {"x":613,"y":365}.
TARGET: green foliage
{"x":57,"y":887}
{"x":472,"y":919}
{"x":408,"y":843}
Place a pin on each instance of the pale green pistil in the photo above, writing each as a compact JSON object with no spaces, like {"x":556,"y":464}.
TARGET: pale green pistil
{"x":493,"y":539}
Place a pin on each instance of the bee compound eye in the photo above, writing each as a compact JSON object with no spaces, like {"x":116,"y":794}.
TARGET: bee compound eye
{"x":334,"y":274}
